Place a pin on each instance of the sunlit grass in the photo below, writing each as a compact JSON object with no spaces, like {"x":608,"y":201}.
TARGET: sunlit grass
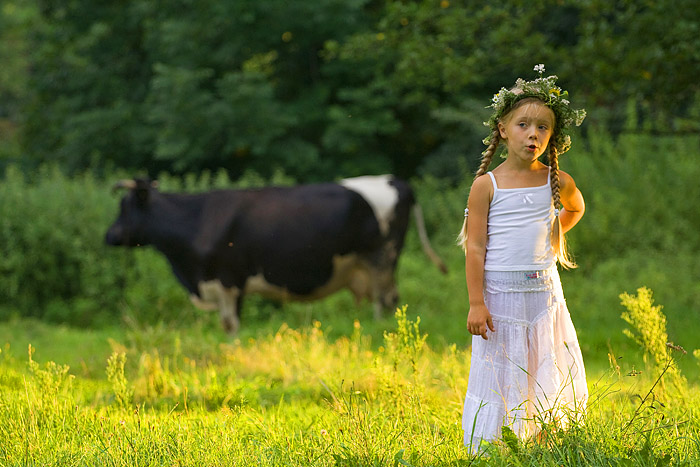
{"x":170,"y":396}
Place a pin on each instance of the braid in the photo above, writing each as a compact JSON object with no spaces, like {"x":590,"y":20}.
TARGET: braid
{"x":558,"y":240}
{"x":486,"y":158}
{"x":554,"y":166}
{"x":487,"y":155}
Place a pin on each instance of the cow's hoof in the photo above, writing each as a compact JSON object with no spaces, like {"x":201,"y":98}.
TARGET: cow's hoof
{"x":230,"y":325}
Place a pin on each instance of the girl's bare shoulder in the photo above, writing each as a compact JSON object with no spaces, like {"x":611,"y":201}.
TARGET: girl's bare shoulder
{"x":481,"y":193}
{"x":481,"y":186}
{"x":566,"y":181}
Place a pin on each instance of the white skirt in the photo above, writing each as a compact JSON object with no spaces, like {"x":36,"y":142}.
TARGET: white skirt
{"x":530,"y":370}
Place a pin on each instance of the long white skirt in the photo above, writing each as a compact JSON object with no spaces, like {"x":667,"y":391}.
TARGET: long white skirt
{"x":530,"y":370}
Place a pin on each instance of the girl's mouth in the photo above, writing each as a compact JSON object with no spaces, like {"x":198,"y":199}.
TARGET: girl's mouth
{"x":532,"y":147}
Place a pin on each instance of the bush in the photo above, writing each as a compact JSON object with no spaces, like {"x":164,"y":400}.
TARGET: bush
{"x":640,"y":192}
{"x":54,"y":262}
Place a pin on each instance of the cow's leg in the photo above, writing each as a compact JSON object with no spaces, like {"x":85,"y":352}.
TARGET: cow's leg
{"x":378,"y":310}
{"x":359,"y":284}
{"x":384,"y":292}
{"x":229,"y":306}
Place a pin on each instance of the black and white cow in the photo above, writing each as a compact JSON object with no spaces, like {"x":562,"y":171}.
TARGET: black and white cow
{"x":285,"y":243}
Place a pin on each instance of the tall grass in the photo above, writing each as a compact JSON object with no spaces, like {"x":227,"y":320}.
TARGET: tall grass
{"x":296,"y":397}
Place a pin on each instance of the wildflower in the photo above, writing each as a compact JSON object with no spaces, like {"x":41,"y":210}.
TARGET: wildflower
{"x":324,"y":432}
{"x":539,"y":68}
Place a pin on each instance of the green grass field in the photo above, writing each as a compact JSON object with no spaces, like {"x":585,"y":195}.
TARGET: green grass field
{"x":305,"y":393}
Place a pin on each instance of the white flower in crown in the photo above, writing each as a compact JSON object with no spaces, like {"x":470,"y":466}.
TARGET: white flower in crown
{"x":539,"y":68}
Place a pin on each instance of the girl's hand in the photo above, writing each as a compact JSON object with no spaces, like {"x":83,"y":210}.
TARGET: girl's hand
{"x":478,"y":319}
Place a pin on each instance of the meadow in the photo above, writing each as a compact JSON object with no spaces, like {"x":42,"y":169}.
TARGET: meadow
{"x":159,"y":395}
{"x":104,"y":362}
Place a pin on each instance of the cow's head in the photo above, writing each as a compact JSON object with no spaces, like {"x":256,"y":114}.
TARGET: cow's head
{"x":129,"y":228}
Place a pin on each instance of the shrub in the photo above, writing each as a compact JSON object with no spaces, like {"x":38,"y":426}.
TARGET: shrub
{"x":54,"y":264}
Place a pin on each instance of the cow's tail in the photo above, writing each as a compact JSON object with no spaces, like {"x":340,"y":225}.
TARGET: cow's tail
{"x":424,"y":241}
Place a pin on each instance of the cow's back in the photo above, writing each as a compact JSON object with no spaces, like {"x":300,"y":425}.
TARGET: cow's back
{"x":391,"y":200}
{"x":290,"y":237}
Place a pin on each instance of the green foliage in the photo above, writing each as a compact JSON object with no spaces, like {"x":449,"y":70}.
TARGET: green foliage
{"x":53,"y":254}
{"x":200,"y":128}
{"x":16,"y":19}
{"x":51,"y":380}
{"x":238,"y":85}
{"x":123,"y":393}
{"x":653,"y":77}
{"x":626,"y":184}
{"x":407,"y":342}
{"x":321,"y":89}
{"x":648,"y":324}
{"x":649,"y":330}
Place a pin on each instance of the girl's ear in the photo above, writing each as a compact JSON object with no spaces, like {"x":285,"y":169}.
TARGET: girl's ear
{"x":502,"y":130}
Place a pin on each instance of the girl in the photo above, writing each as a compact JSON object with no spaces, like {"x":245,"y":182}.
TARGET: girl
{"x":526,"y":368}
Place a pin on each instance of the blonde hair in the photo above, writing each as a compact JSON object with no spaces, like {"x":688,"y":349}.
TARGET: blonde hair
{"x":557,"y":237}
{"x":486,"y":158}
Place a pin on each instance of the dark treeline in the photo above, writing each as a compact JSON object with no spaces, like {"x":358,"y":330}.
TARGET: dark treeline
{"x":325,"y":88}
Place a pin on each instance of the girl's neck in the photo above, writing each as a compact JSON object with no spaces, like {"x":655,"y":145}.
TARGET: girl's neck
{"x":516,"y":175}
{"x":518,"y":165}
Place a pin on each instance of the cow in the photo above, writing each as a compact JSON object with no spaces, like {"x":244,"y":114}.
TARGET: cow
{"x":297,"y":243}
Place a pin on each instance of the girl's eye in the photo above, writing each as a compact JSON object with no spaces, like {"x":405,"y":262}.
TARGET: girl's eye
{"x":521,"y":124}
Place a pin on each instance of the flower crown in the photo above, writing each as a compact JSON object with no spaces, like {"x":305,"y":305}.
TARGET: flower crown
{"x":546,"y":90}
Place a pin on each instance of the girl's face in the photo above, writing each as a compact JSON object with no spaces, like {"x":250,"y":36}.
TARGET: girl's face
{"x":527,"y":130}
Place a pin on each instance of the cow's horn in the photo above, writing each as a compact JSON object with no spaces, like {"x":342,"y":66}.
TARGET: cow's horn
{"x":129,"y":184}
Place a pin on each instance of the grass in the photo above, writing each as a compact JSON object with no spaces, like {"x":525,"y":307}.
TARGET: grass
{"x":166,"y":395}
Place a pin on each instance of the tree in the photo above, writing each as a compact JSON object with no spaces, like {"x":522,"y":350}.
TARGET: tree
{"x":233,"y":84}
{"x":644,"y":52}
{"x":334,"y":87}
{"x":436,"y":64}
{"x":16,"y":19}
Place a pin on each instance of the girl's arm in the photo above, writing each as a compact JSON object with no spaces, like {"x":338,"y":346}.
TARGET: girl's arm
{"x":572,"y":200}
{"x":480,"y":195}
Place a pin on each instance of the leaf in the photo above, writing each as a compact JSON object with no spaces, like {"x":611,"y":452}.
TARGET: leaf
{"x":510,"y":438}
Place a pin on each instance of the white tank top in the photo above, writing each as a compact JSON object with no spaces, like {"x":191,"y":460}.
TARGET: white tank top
{"x":519,"y":228}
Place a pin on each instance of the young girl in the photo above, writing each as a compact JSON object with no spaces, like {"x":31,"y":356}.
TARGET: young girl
{"x":526,"y":367}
